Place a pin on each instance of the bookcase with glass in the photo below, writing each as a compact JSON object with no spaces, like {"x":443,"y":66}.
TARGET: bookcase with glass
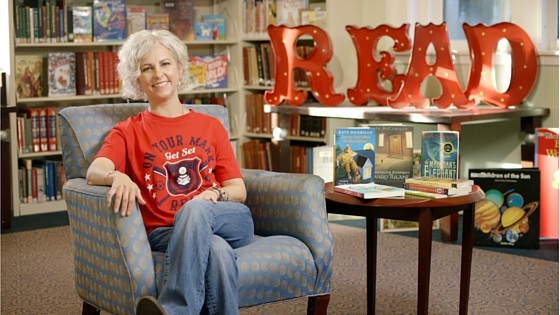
{"x":63,"y":53}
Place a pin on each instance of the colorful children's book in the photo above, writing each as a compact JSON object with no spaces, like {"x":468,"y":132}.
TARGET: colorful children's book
{"x":440,"y":154}
{"x":82,"y":18}
{"x":216,"y":70}
{"x":62,"y":73}
{"x":109,"y":20}
{"x":370,"y":190}
{"x":546,"y":158}
{"x":393,"y":153}
{"x":203,"y":30}
{"x":135,"y":19}
{"x":157,"y":21}
{"x":30,"y":76}
{"x":181,"y":17}
{"x":354,"y":156}
{"x":218,"y":25}
{"x":509,"y":216}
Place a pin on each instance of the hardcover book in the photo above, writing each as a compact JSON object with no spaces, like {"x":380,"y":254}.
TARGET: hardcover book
{"x":509,"y":216}
{"x":393,"y":153}
{"x":135,"y":20}
{"x":546,"y":158}
{"x":62,"y":73}
{"x":29,"y":76}
{"x":440,"y":154}
{"x":438,"y":190}
{"x":82,"y":23}
{"x":440,"y":182}
{"x":370,"y":190}
{"x":354,"y":156}
{"x":181,"y":17}
{"x":157,"y":21}
{"x":216,"y":70}
{"x":109,"y":20}
{"x":218,"y":25}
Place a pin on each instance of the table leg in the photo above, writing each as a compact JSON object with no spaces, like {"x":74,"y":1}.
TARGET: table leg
{"x":466,"y":258}
{"x":424,"y":259}
{"x":371,"y":262}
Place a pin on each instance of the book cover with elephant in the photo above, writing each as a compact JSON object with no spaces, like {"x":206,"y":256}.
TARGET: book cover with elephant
{"x":354,"y":159}
{"x":509,"y":216}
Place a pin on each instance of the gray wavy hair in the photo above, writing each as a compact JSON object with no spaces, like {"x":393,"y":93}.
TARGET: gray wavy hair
{"x":139,"y":45}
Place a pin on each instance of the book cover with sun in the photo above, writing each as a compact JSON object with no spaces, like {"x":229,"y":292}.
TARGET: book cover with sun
{"x":354,"y":160}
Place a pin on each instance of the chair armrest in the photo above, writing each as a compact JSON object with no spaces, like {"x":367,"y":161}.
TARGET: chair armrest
{"x":294,"y":205}
{"x":108,"y":249}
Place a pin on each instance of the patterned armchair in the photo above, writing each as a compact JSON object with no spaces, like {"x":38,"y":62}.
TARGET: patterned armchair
{"x":291,"y":256}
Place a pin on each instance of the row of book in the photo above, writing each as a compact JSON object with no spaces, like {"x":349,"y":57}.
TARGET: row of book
{"x":279,"y":156}
{"x":259,"y":65}
{"x":40,"y":180}
{"x":37,"y":130}
{"x":94,"y":73}
{"x":51,"y":21}
{"x":257,"y":15}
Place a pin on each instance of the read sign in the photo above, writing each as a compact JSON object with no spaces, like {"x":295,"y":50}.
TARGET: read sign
{"x":405,"y":89}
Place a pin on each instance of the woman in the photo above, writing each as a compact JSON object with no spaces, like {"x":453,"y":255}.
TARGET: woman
{"x":179,"y":166}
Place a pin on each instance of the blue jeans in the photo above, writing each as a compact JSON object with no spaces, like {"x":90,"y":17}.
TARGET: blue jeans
{"x":200,"y":272}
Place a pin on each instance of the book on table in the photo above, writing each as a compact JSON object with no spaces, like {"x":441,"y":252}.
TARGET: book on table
{"x":440,"y":154}
{"x":354,"y":157}
{"x":370,"y":190}
{"x":449,"y":191}
{"x":440,"y":182}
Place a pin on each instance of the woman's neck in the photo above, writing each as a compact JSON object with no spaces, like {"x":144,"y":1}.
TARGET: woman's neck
{"x":171,"y":110}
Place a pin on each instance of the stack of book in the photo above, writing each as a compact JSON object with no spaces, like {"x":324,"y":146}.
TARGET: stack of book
{"x":431,"y":187}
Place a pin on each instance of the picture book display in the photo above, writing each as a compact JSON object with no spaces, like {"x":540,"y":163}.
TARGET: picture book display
{"x":370,"y":190}
{"x":61,"y":73}
{"x":82,"y":23}
{"x":440,"y":154}
{"x":546,"y":159}
{"x":509,"y":216}
{"x":354,"y":156}
{"x":109,"y":20}
{"x":30,"y":76}
{"x":393,"y":153}
{"x":218,"y":25}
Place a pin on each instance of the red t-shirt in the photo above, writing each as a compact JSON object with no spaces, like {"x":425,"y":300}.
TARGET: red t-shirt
{"x":170,"y":159}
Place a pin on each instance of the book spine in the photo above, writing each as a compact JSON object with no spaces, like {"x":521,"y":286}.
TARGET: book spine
{"x":51,"y":129}
{"x":441,"y":184}
{"x":425,"y":188}
{"x":417,"y":193}
{"x":348,"y":192}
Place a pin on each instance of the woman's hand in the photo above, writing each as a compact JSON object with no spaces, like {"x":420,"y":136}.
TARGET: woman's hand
{"x":125,"y":192}
{"x":208,"y":194}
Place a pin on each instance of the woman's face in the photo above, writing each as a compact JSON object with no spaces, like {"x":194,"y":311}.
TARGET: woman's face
{"x":159,"y":75}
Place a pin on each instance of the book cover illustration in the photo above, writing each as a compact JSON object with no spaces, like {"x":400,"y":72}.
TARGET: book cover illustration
{"x":135,"y":20}
{"x":109,"y":20}
{"x":288,"y":12}
{"x":509,"y":216}
{"x":218,"y":25}
{"x":29,"y":76}
{"x":354,"y":156}
{"x":440,"y":154}
{"x":82,"y":23}
{"x":546,"y":158}
{"x":216,"y":70}
{"x":393,"y":154}
{"x":181,"y":17}
{"x":203,"y":30}
{"x":157,"y":21}
{"x":62,"y":73}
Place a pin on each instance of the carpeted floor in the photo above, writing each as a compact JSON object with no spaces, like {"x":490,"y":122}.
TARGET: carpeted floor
{"x":37,"y":277}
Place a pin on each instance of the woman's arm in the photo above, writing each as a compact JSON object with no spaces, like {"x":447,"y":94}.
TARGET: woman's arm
{"x":231,"y":190}
{"x":102,"y":172}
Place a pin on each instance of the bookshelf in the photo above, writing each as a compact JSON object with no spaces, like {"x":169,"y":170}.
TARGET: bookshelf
{"x":231,"y":94}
